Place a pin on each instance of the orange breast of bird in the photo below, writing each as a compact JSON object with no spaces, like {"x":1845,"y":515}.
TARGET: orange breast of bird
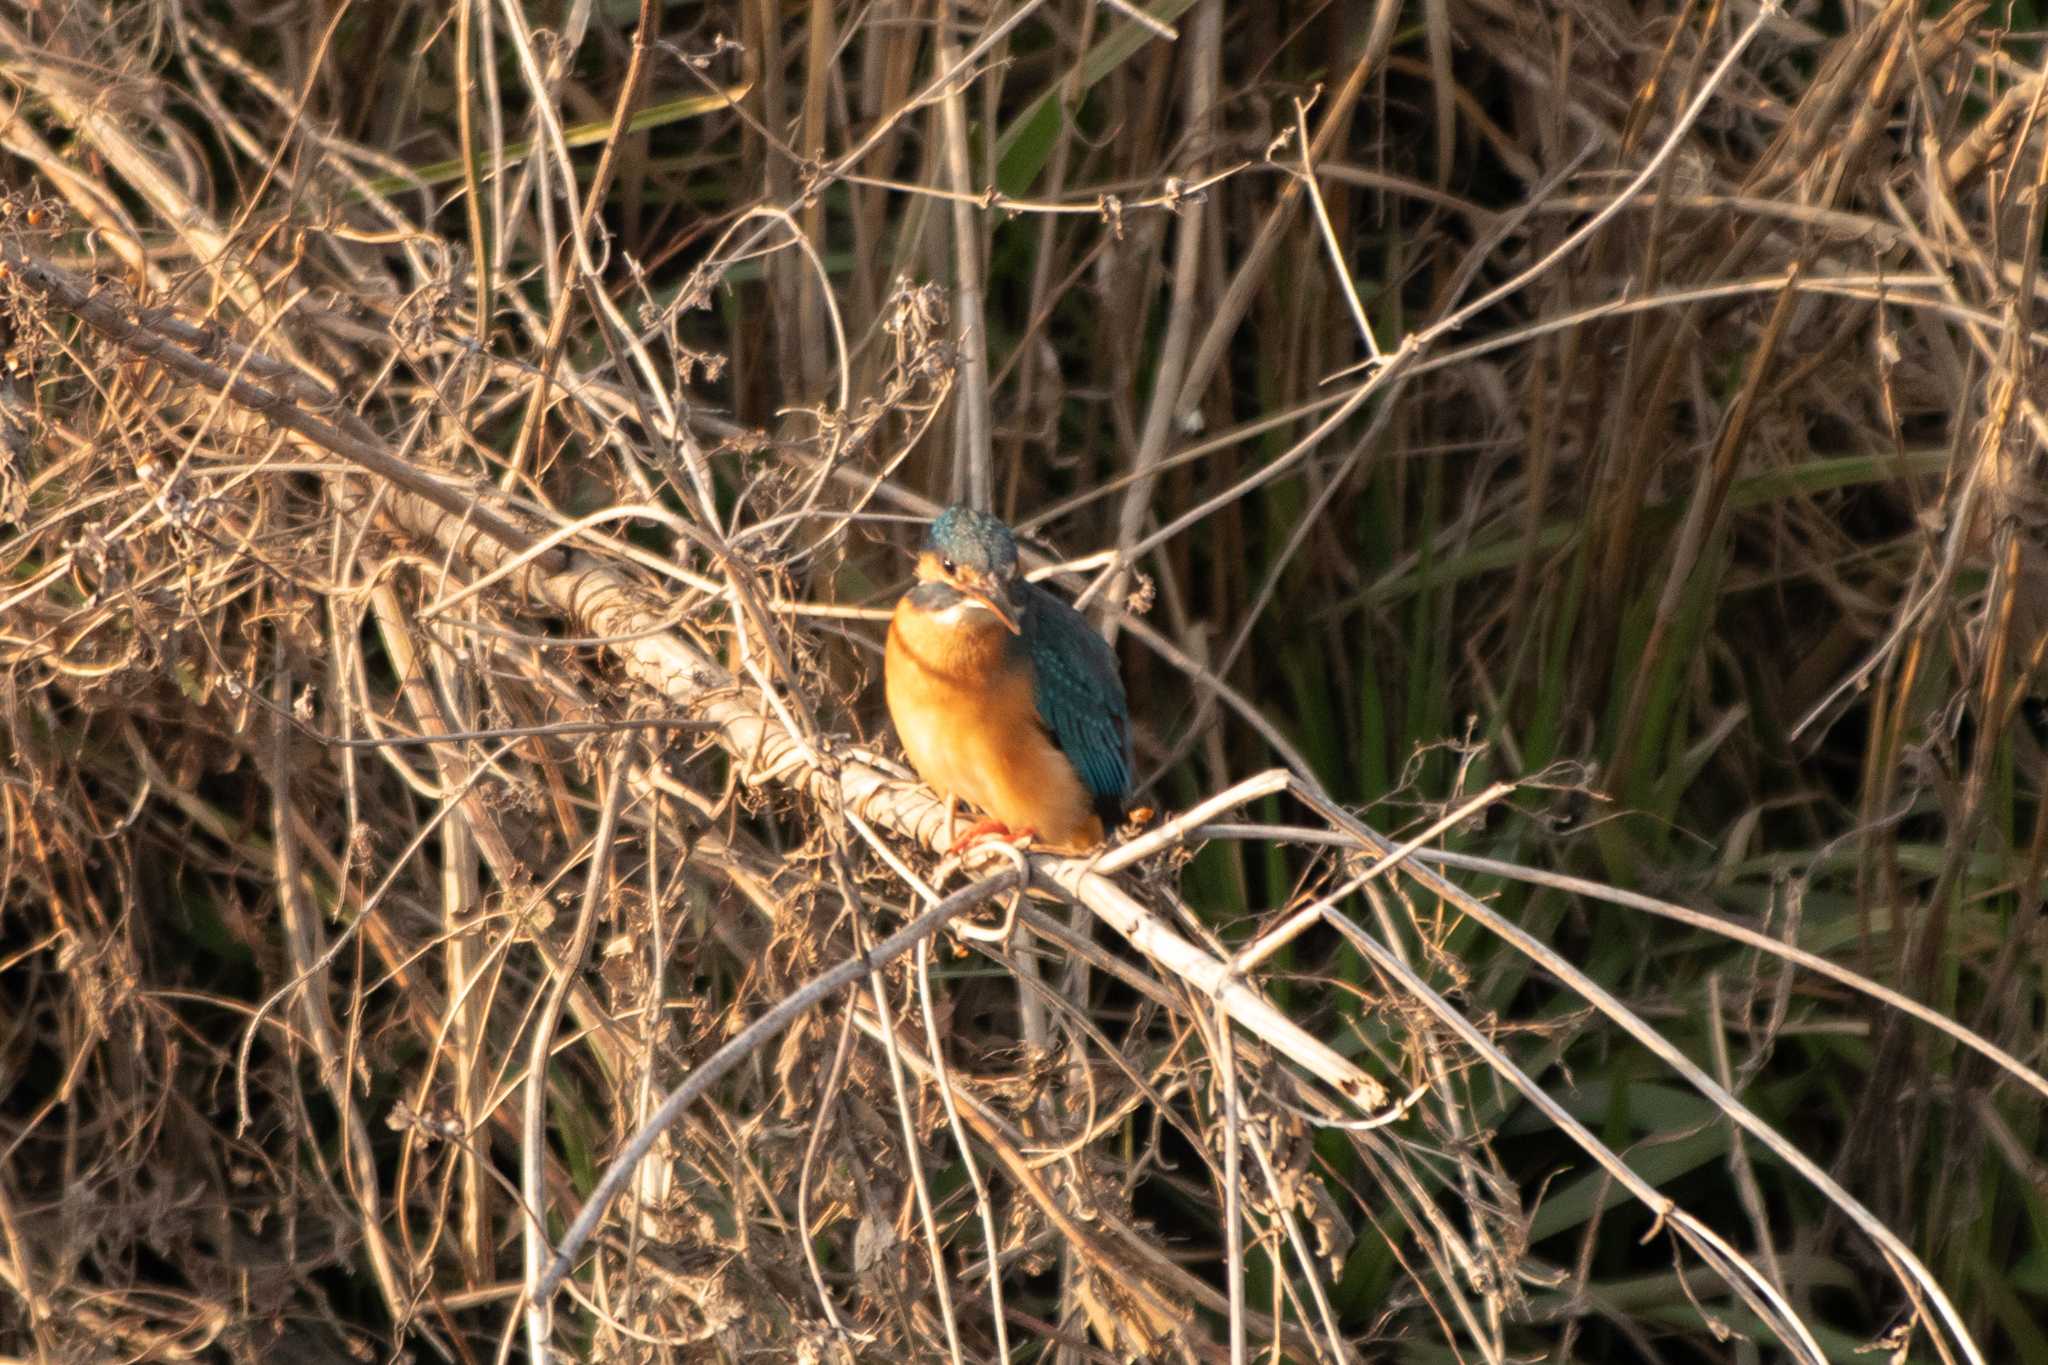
{"x":964,"y":708}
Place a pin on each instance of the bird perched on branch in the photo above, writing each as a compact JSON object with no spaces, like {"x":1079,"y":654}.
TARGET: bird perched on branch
{"x":1004,"y":696}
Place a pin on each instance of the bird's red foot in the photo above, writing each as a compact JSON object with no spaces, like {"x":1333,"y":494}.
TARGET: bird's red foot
{"x":990,"y":829}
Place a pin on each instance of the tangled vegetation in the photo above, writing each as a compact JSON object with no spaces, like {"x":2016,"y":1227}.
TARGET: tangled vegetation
{"x":1563,"y":481}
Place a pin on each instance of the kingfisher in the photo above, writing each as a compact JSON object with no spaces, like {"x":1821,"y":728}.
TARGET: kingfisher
{"x":1004,"y":696}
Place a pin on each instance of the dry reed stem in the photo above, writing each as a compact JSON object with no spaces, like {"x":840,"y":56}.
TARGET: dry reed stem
{"x":331,"y":512}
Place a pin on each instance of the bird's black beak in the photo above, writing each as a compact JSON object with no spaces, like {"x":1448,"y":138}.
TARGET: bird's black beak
{"x":1004,"y":612}
{"x":991,"y":592}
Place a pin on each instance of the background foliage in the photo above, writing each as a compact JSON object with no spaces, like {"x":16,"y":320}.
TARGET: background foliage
{"x":1638,"y":405}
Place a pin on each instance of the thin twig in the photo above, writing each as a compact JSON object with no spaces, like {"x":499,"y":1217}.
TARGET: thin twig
{"x":713,"y":1068}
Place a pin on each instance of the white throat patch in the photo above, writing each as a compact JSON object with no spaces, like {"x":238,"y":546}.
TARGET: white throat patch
{"x":955,"y":612}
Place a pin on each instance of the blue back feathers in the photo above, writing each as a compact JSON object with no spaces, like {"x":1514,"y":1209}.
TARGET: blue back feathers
{"x":1080,"y":697}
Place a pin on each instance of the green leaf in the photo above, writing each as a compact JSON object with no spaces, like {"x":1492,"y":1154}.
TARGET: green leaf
{"x":1026,"y":145}
{"x":577,"y":135}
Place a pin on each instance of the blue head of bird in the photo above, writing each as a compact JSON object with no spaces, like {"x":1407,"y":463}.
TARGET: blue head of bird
{"x":968,"y":565}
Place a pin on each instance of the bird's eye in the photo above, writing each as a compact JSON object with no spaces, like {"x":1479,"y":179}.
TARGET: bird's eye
{"x":948,"y":567}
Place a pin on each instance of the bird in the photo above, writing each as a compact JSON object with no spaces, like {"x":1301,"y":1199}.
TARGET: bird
{"x":1004,"y":696}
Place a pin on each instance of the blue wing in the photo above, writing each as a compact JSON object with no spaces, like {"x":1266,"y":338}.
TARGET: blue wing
{"x":1080,"y":697}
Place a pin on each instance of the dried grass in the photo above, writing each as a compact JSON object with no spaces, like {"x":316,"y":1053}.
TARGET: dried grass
{"x":437,"y":628}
